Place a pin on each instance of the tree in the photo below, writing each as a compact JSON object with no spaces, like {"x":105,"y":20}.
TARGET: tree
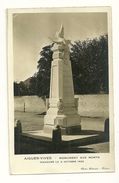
{"x":20,"y":89}
{"x":23,"y":89}
{"x":90,"y":65}
{"x":43,"y":74}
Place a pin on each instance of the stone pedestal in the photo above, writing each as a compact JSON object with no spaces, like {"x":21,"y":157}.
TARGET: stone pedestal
{"x":62,"y":110}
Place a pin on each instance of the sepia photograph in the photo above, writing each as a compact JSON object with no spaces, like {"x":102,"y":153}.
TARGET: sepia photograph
{"x":60,"y":90}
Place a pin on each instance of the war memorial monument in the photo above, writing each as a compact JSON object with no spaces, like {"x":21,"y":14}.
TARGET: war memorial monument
{"x":62,"y":110}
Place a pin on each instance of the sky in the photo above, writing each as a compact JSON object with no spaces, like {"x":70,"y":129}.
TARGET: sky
{"x":32,"y":31}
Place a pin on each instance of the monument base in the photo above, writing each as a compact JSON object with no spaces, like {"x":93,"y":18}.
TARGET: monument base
{"x":69,"y":124}
{"x":72,"y":130}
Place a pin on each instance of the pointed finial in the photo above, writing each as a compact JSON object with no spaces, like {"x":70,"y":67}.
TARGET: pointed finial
{"x":60,"y":34}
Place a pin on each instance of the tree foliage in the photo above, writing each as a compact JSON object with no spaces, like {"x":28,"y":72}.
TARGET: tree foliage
{"x":90,"y":66}
{"x":20,"y":89}
{"x":43,"y":74}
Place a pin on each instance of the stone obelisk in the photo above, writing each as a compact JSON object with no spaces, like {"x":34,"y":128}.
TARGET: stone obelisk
{"x":62,"y":110}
